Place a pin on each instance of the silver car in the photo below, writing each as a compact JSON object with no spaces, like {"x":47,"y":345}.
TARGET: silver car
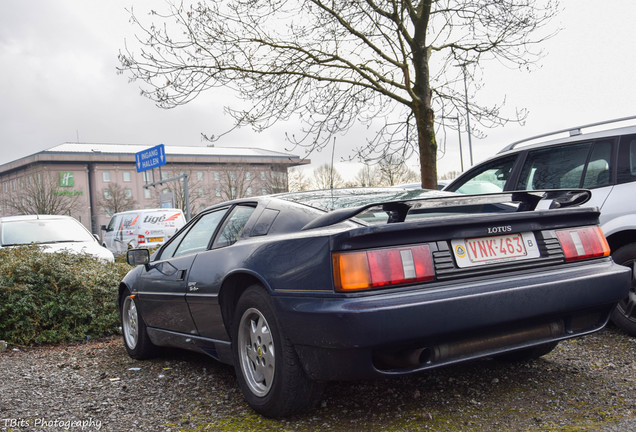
{"x":604,"y":162}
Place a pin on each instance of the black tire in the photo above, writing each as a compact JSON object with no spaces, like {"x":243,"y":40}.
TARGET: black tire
{"x":268,"y":370}
{"x":624,"y":315}
{"x":134,"y":331}
{"x":529,"y":354}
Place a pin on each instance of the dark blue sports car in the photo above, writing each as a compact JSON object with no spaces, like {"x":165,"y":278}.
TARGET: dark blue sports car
{"x":298,"y":289}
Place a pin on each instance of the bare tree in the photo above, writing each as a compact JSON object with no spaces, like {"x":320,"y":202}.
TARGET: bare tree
{"x":236,"y":182}
{"x":40,"y":193}
{"x":297,"y":180}
{"x":368,"y":176}
{"x":450,"y":175}
{"x":394,"y":171}
{"x":327,"y":177}
{"x":198,"y":194}
{"x":275,"y":182}
{"x":335,"y":64}
{"x":116,"y":199}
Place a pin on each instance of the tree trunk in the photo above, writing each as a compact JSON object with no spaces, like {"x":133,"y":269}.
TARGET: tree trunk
{"x":424,"y":116}
{"x":424,"y":119}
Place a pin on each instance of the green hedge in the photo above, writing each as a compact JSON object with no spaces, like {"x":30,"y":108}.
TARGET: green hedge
{"x":56,"y":297}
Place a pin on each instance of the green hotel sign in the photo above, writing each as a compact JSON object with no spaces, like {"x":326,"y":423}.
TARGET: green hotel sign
{"x":66,"y":179}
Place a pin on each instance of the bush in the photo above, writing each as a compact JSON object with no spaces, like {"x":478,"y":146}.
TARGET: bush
{"x":56,"y":297}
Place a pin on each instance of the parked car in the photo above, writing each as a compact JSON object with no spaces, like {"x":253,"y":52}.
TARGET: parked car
{"x":298,"y":289}
{"x":147,"y":227}
{"x":602,"y":161}
{"x":53,"y":233}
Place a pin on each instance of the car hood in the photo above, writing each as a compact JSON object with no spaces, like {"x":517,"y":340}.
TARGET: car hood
{"x":91,"y":248}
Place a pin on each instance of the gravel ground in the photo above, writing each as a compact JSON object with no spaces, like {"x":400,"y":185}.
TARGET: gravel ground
{"x":586,"y":384}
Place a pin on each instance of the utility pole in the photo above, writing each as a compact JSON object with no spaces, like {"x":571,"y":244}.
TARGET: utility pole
{"x":470,"y":143}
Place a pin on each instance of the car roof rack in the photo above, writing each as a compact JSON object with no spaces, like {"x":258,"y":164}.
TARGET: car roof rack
{"x":573,"y":131}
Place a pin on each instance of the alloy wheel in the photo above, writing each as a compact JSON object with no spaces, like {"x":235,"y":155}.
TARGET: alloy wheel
{"x":256,"y":352}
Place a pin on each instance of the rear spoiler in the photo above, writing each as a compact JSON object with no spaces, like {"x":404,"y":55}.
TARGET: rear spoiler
{"x":398,"y":210}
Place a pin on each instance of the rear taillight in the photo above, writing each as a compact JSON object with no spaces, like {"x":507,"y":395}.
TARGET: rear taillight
{"x":360,"y":270}
{"x":141,"y":239}
{"x":583,"y":243}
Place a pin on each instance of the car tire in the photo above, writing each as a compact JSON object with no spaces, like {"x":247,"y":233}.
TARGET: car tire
{"x":624,"y":314}
{"x":529,"y":354}
{"x":267,"y":367}
{"x":136,"y":340}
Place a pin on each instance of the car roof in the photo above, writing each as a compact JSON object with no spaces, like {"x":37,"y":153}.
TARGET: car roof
{"x":33,"y":217}
{"x":149,"y":210}
{"x":327,"y":200}
{"x":575,"y":136}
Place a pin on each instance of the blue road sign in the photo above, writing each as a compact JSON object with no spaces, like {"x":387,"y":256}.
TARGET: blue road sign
{"x":150,"y":158}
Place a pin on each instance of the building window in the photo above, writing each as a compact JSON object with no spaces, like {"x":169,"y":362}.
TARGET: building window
{"x":164,"y":175}
{"x":106,"y":176}
{"x":107,"y":194}
{"x":232,"y":175}
{"x":128,"y":193}
{"x":147,"y":193}
{"x":147,"y":176}
{"x":216,"y":176}
{"x":126,"y":176}
{"x":248,"y":175}
{"x":200,"y":175}
{"x":249,"y":191}
{"x":200,"y":192}
{"x":218,"y":192}
{"x":263,"y":175}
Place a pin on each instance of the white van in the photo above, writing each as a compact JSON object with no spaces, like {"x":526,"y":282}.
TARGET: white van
{"x":139,"y":228}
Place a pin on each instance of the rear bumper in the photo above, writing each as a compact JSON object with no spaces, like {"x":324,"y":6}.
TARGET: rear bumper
{"x":407,"y":331}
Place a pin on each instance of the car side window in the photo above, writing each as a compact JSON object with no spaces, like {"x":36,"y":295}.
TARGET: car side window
{"x":196,"y":238}
{"x":234,"y":225}
{"x":568,"y":167}
{"x":597,"y":171}
{"x":627,"y":160}
{"x":490,"y":178}
{"x":114,"y":223}
{"x":554,"y":167}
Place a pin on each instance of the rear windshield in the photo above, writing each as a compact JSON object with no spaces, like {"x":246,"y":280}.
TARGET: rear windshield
{"x":43,"y":231}
{"x":328,"y":200}
{"x":397,"y":205}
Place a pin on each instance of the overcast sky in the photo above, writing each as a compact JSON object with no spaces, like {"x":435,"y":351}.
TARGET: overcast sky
{"x":58,"y":83}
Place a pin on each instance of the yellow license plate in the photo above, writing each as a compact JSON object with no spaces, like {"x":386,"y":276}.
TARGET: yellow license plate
{"x":155,"y":239}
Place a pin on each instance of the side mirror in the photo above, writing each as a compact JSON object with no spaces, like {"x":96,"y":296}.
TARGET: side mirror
{"x":103,"y":228}
{"x":137,"y":257}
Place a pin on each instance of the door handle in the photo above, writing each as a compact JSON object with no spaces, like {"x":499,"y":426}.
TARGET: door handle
{"x":182,"y":274}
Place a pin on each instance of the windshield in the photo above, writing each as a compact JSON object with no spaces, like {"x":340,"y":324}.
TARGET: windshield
{"x":43,"y":231}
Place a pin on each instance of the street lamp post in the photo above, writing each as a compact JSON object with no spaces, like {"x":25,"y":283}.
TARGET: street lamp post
{"x":461,"y":153}
{"x":459,"y":134}
{"x":470,"y":143}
